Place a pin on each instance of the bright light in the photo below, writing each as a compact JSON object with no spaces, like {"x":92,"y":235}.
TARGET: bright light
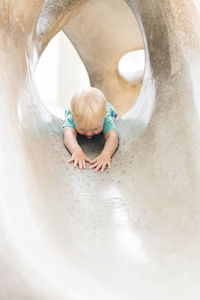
{"x":131,"y":66}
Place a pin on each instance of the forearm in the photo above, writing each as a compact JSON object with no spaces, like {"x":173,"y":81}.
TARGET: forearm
{"x":71,"y":143}
{"x":111,"y":145}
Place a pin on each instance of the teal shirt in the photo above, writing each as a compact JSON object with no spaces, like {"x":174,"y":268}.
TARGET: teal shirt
{"x":108,"y":124}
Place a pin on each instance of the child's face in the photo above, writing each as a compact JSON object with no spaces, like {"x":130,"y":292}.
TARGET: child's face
{"x":89,"y":133}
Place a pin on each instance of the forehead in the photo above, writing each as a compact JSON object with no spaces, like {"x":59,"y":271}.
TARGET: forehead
{"x":83,"y":128}
{"x":90,"y":129}
{"x":98,"y":126}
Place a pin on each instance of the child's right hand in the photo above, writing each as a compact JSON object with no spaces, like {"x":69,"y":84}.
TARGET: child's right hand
{"x":79,"y":159}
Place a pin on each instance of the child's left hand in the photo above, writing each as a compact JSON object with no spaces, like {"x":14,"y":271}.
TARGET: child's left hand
{"x":101,"y":161}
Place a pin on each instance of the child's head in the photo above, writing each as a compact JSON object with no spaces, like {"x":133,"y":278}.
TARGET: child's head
{"x":88,"y":109}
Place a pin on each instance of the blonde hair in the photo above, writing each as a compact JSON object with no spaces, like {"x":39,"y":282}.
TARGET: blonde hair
{"x":88,"y":107}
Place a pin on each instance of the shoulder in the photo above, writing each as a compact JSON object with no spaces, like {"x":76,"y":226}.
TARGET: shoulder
{"x":112,"y":111}
{"x":109,"y":123}
{"x":69,"y":122}
{"x":68,"y":113}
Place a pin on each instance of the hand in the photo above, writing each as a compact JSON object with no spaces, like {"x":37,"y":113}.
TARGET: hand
{"x":101,"y":162}
{"x":79,"y":158}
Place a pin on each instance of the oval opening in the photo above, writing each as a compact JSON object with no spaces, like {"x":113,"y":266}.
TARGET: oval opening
{"x":55,"y":80}
{"x":131,"y":66}
{"x":60,"y":72}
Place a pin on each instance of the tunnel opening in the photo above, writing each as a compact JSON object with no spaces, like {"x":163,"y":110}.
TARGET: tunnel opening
{"x":118,"y":70}
{"x":54,"y":78}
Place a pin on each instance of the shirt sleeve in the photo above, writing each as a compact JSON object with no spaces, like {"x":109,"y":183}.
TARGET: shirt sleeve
{"x":112,"y":110}
{"x":109,"y":122}
{"x":69,"y":122}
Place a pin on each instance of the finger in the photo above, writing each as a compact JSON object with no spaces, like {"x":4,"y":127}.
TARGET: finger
{"x":103,"y":168}
{"x":98,"y":167}
{"x":83,"y":164}
{"x":80,"y":164}
{"x":75,"y":163}
{"x":94,"y":166}
{"x":93,"y":162}
{"x":109,"y":165}
{"x":89,"y":160}
{"x":71,"y":159}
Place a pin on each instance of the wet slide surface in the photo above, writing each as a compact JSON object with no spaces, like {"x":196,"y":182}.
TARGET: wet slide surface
{"x":129,"y":233}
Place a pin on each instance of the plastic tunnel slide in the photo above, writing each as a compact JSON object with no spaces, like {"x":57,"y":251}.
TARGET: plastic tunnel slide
{"x":129,"y":233}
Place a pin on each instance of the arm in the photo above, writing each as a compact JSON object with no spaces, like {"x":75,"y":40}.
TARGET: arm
{"x":70,"y":141}
{"x":109,"y":149}
{"x":111,"y":143}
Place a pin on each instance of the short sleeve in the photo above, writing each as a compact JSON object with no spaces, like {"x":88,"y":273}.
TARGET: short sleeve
{"x":112,"y":110}
{"x":108,"y":124}
{"x":69,"y":122}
